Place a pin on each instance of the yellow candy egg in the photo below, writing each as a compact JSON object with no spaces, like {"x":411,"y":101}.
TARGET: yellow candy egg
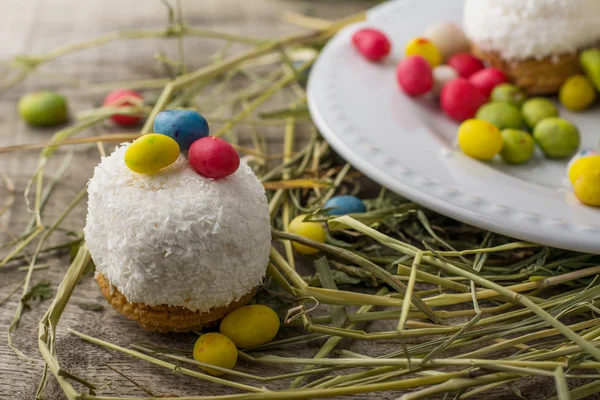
{"x":149,"y":153}
{"x":577,"y":93}
{"x":215,"y":349}
{"x":587,"y":188}
{"x":584,"y":164}
{"x":250,"y":326}
{"x":479,"y":139}
{"x":423,"y":47}
{"x":310,"y":230}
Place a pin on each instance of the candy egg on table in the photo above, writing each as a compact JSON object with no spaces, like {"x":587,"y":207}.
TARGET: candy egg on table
{"x":150,"y":153}
{"x":250,"y":326}
{"x":308,"y":229}
{"x":449,"y":38}
{"x":583,"y":161}
{"x":184,"y":126}
{"x":557,"y":137}
{"x":442,"y":74}
{"x":176,"y":251}
{"x":301,"y":56}
{"x":297,"y":64}
{"x":423,"y":47}
{"x":344,"y":204}
{"x":536,"y":109}
{"x":215,"y":349}
{"x":460,"y":100}
{"x":414,"y":75}
{"x":373,"y":44}
{"x":479,"y":139}
{"x":123,"y":98}
{"x":213,"y":157}
{"x":43,"y":108}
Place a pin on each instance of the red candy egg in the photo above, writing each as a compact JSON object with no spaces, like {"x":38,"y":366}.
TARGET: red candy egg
{"x":487,"y":79}
{"x":213,"y":157}
{"x":119,"y":98}
{"x":460,"y":99}
{"x":414,"y":75}
{"x":371,"y":43}
{"x":465,"y":64}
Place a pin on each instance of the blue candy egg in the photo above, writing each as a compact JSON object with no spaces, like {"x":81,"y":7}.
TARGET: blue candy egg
{"x":347,"y":204}
{"x":300,"y":56}
{"x":184,"y":126}
{"x":298,"y":64}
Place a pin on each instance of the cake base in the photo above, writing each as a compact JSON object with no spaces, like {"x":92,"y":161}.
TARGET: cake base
{"x":164,"y":318}
{"x":535,"y":77}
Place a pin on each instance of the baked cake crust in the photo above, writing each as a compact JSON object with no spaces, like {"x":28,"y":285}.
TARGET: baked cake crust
{"x":164,"y":318}
{"x":535,"y":77}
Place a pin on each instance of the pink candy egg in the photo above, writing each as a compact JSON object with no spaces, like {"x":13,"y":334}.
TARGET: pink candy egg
{"x":123,"y":98}
{"x":213,"y":157}
{"x":460,"y":99}
{"x":414,"y":75}
{"x":465,"y":64}
{"x":371,"y":43}
{"x":487,"y":79}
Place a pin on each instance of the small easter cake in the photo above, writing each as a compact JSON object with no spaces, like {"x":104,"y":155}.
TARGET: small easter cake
{"x":175,"y":250}
{"x":535,"y":42}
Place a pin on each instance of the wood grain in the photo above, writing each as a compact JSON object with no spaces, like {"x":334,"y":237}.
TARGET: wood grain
{"x":36,"y":26}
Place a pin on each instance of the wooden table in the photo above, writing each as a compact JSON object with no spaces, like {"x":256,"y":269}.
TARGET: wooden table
{"x":33,"y":26}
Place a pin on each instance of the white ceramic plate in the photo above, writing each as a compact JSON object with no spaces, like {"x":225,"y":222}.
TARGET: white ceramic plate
{"x":408,"y":145}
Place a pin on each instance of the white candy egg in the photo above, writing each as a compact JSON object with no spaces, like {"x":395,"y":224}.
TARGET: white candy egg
{"x":441,"y":75}
{"x":448,"y":38}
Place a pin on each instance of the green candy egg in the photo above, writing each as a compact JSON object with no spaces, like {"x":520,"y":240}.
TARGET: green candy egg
{"x":509,"y":94}
{"x":518,"y":146}
{"x":43,"y":108}
{"x":557,"y":137}
{"x":150,"y":153}
{"x":502,"y":115}
{"x":577,"y":93}
{"x":536,"y":109}
{"x":590,"y":62}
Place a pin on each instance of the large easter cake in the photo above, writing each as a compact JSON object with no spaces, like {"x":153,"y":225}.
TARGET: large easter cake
{"x":175,"y":250}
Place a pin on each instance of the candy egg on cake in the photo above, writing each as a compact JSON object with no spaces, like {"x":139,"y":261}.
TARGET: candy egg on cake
{"x":175,"y":250}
